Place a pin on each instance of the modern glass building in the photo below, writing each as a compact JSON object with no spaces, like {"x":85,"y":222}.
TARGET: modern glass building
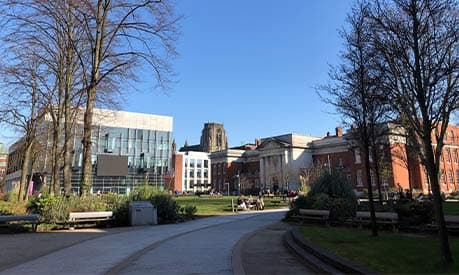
{"x":128,"y":150}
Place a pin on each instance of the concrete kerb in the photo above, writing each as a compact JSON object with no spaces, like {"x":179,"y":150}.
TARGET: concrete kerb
{"x":323,"y":261}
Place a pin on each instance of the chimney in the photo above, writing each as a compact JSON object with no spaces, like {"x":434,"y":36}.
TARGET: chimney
{"x":328,"y":134}
{"x":257,"y":142}
{"x":339,"y":131}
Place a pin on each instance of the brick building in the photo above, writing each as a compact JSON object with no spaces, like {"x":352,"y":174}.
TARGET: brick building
{"x":277,"y":163}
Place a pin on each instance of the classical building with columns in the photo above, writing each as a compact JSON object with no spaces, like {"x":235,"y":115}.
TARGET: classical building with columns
{"x":283,"y":162}
{"x":272,"y":163}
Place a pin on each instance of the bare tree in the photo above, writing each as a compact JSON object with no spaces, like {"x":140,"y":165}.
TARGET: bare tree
{"x":122,"y":36}
{"x":355,"y":92}
{"x":418,"y":43}
{"x":21,"y":104}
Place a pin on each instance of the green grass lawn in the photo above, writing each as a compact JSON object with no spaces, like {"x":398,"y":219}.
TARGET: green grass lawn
{"x":220,"y":205}
{"x":387,"y":253}
{"x":451,"y":208}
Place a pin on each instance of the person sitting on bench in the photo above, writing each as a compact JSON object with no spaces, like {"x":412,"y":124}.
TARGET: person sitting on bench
{"x":241,"y":202}
{"x":260,"y":203}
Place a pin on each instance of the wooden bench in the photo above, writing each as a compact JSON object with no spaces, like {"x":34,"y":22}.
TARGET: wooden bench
{"x":364,"y":217}
{"x":32,"y":219}
{"x":452,"y":222}
{"x":314,"y":214}
{"x":88,"y":217}
{"x":235,"y":207}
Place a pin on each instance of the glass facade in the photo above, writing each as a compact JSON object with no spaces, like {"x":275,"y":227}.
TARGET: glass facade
{"x":148,"y":153}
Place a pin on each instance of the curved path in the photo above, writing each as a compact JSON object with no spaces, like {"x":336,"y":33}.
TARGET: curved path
{"x":200,"y":246}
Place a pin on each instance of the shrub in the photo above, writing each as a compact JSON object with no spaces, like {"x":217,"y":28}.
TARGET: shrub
{"x":188,"y":210}
{"x":167,"y":208}
{"x":415,"y":212}
{"x":11,"y":196}
{"x":387,"y":207}
{"x":52,"y":209}
{"x":334,"y":185}
{"x":144,"y":193}
{"x":329,"y":191}
{"x":56,"y":209}
{"x":342,"y":209}
{"x":320,"y":201}
{"x":119,"y":204}
{"x":302,"y":202}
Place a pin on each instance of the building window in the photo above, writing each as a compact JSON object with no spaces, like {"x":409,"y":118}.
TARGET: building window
{"x":373,"y":178}
{"x":450,"y":177}
{"x":206,"y":163}
{"x":457,"y":177}
{"x":455,"y":156}
{"x":426,"y":176}
{"x":357,"y":156}
{"x":442,"y":176}
{"x":359,"y":178}
{"x":448,"y":155}
{"x":219,"y":138}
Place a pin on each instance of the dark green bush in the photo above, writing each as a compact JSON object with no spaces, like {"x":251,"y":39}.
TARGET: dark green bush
{"x":119,"y":204}
{"x":321,"y":201}
{"x":167,"y":208}
{"x":188,"y":211}
{"x":329,"y":191}
{"x":415,"y":212}
{"x":56,"y":209}
{"x":387,"y":207}
{"x":334,"y":185}
{"x":52,"y":209}
{"x":342,"y":209}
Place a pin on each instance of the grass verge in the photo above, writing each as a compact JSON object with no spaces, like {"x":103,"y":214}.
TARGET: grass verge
{"x":387,"y":253}
{"x":208,"y":206}
{"x":451,"y":208}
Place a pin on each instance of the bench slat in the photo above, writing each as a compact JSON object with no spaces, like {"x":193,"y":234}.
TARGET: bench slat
{"x":379,"y":215}
{"x":15,"y":218}
{"x":87,"y":215}
{"x":314,"y":212}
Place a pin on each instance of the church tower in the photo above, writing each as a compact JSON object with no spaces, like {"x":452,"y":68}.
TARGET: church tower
{"x":213,"y":138}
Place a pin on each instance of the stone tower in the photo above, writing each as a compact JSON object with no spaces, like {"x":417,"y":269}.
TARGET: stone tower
{"x":213,"y":138}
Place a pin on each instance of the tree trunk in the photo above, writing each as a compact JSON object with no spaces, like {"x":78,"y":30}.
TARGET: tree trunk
{"x":68,"y":114}
{"x":86,"y":180}
{"x":377,"y":172}
{"x":29,"y":180}
{"x":437,"y":201}
{"x":374,"y":229}
{"x":67,"y":171}
{"x":91,"y":90}
{"x":25,"y":167}
{"x":56,"y":158}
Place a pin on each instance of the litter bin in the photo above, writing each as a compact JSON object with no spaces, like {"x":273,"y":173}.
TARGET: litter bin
{"x":142,"y":213}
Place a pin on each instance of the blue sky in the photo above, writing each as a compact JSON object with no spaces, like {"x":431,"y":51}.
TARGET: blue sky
{"x":251,"y":65}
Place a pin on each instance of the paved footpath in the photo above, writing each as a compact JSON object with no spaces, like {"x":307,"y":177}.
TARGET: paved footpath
{"x":200,"y":246}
